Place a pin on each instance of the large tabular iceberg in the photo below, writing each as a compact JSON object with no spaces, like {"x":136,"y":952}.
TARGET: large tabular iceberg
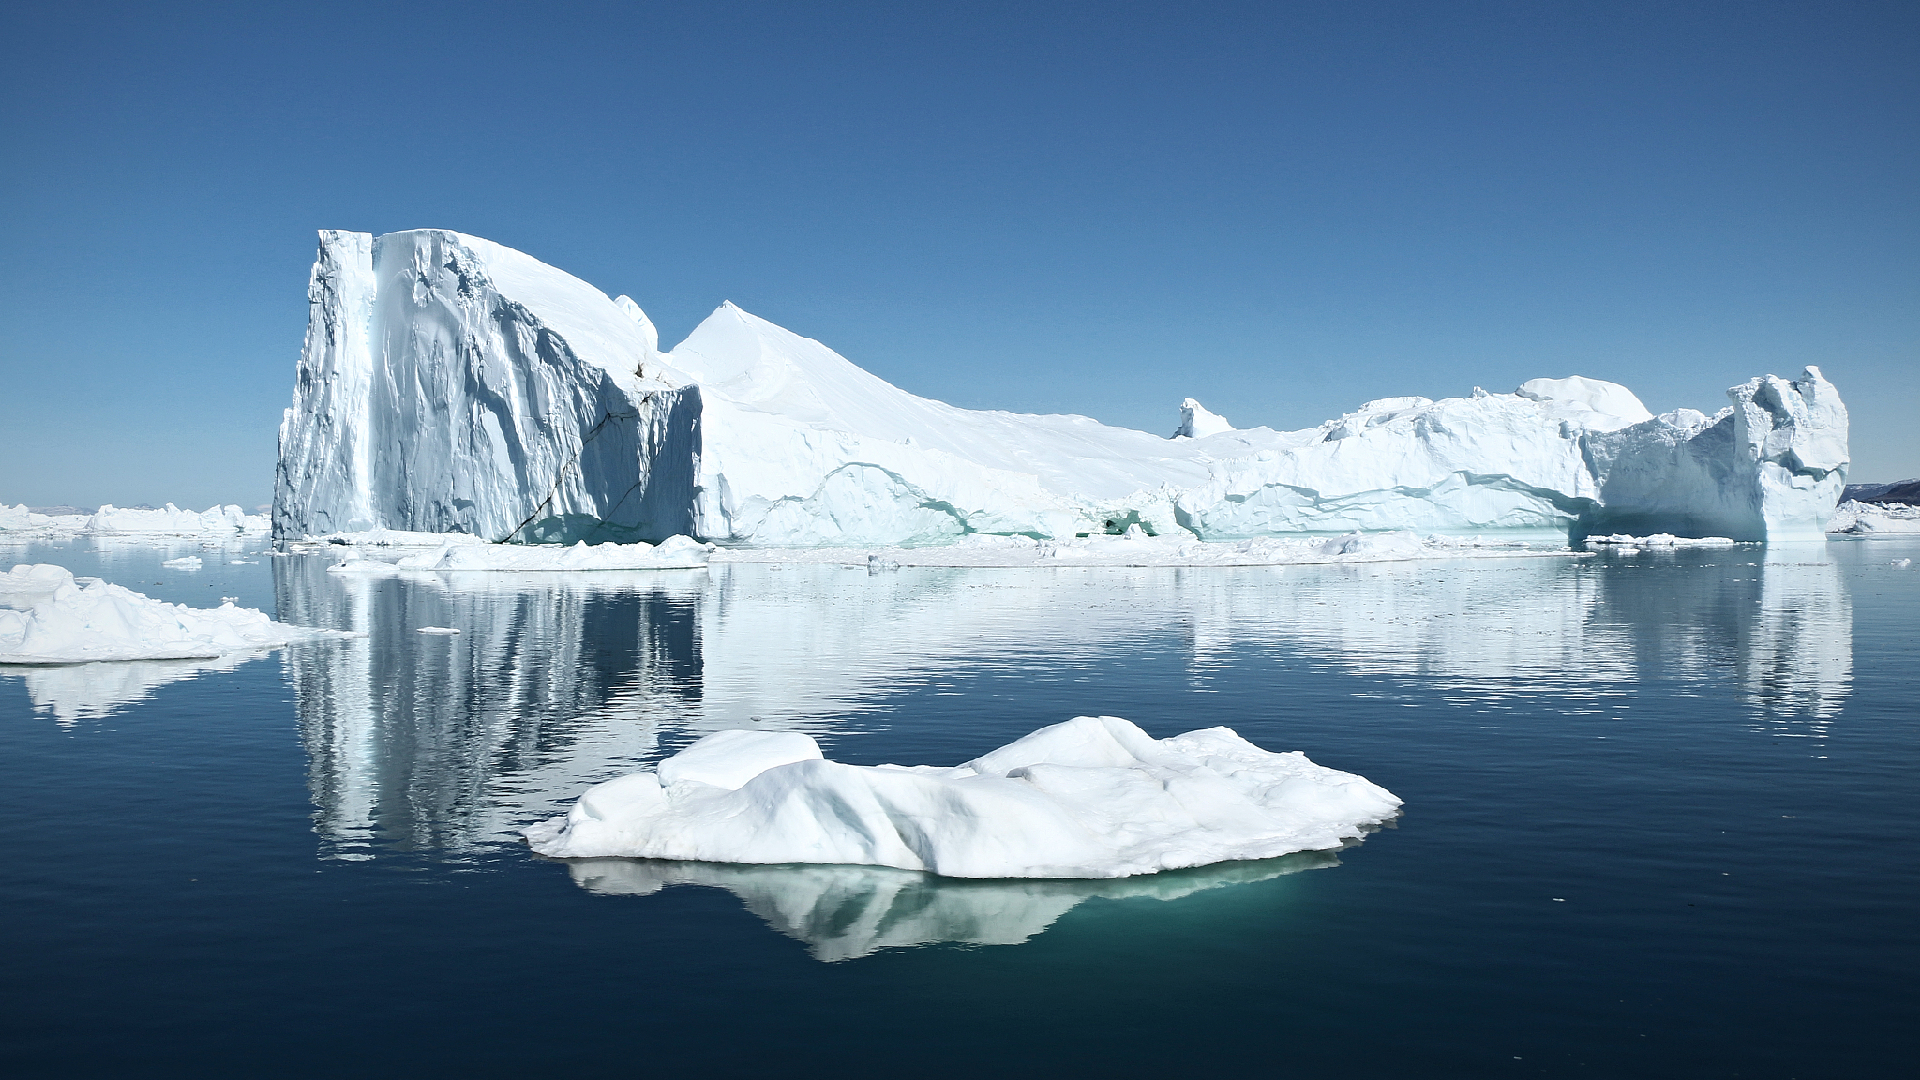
{"x":449,"y":384}
{"x":1094,"y":797}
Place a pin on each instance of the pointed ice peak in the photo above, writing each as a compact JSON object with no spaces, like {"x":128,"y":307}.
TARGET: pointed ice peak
{"x":632,"y":311}
{"x":747,"y":359}
{"x":1198,"y":423}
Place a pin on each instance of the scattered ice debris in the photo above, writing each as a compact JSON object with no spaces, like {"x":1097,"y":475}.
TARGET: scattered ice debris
{"x":48,"y":616}
{"x":1902,"y":563}
{"x":1861,"y":519}
{"x":673,"y":553}
{"x":184,"y":562}
{"x":747,"y":433}
{"x":1662,"y":541}
{"x":442,"y":631}
{"x":1137,"y":548}
{"x":110,"y":520}
{"x":1094,"y":797}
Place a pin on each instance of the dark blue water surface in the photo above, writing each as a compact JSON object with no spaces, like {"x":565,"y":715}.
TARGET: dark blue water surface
{"x":1659,"y":822}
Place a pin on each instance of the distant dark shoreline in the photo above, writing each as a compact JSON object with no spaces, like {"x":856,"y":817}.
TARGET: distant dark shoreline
{"x":1900,"y":491}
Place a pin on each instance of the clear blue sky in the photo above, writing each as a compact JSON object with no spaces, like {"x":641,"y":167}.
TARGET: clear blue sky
{"x":1283,"y":209}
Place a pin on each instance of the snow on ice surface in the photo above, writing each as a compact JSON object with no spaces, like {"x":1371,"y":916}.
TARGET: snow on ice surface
{"x":1094,"y":797}
{"x":450,"y":384}
{"x":48,"y":616}
{"x":673,"y":553}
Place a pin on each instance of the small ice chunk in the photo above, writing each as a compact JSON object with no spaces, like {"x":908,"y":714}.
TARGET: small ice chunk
{"x":184,"y":562}
{"x":441,"y":630}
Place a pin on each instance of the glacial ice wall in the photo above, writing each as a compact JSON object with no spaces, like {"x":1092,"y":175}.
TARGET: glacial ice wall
{"x":449,"y":384}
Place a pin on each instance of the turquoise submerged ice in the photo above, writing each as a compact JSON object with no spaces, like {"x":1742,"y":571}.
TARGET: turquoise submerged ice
{"x":1094,"y":797}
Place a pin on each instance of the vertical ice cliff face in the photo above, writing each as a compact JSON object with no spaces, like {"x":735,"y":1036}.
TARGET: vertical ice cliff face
{"x":449,"y":384}
{"x":1769,"y":467}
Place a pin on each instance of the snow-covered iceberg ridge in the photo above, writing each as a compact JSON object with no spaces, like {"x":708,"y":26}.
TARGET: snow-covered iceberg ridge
{"x":48,"y":616}
{"x":449,"y":384}
{"x":1094,"y":797}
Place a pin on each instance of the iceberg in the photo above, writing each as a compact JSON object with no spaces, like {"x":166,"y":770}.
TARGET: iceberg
{"x":48,"y":616}
{"x":452,"y":385}
{"x":1094,"y":797}
{"x":1864,"y":519}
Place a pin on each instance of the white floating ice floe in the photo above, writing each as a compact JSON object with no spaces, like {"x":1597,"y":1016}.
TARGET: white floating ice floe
{"x":48,"y":616}
{"x":1661,"y":541}
{"x":526,"y":405}
{"x":1094,"y":797}
{"x":438,"y":631}
{"x":184,"y":562}
{"x":673,"y":553}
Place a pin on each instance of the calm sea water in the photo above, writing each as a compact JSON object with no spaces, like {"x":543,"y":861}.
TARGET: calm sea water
{"x":1659,"y":822}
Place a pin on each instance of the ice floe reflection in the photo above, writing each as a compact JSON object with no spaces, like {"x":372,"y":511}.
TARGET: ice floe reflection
{"x":844,"y":912}
{"x":449,"y":745}
{"x":75,"y":692}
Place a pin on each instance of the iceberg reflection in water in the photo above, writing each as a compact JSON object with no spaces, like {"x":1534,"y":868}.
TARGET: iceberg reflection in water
{"x":845,"y":912}
{"x":447,"y":746}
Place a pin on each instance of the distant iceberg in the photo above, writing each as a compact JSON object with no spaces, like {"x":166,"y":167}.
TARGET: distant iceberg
{"x":1094,"y":797}
{"x":1864,"y":519}
{"x":110,"y":520}
{"x":452,"y":385}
